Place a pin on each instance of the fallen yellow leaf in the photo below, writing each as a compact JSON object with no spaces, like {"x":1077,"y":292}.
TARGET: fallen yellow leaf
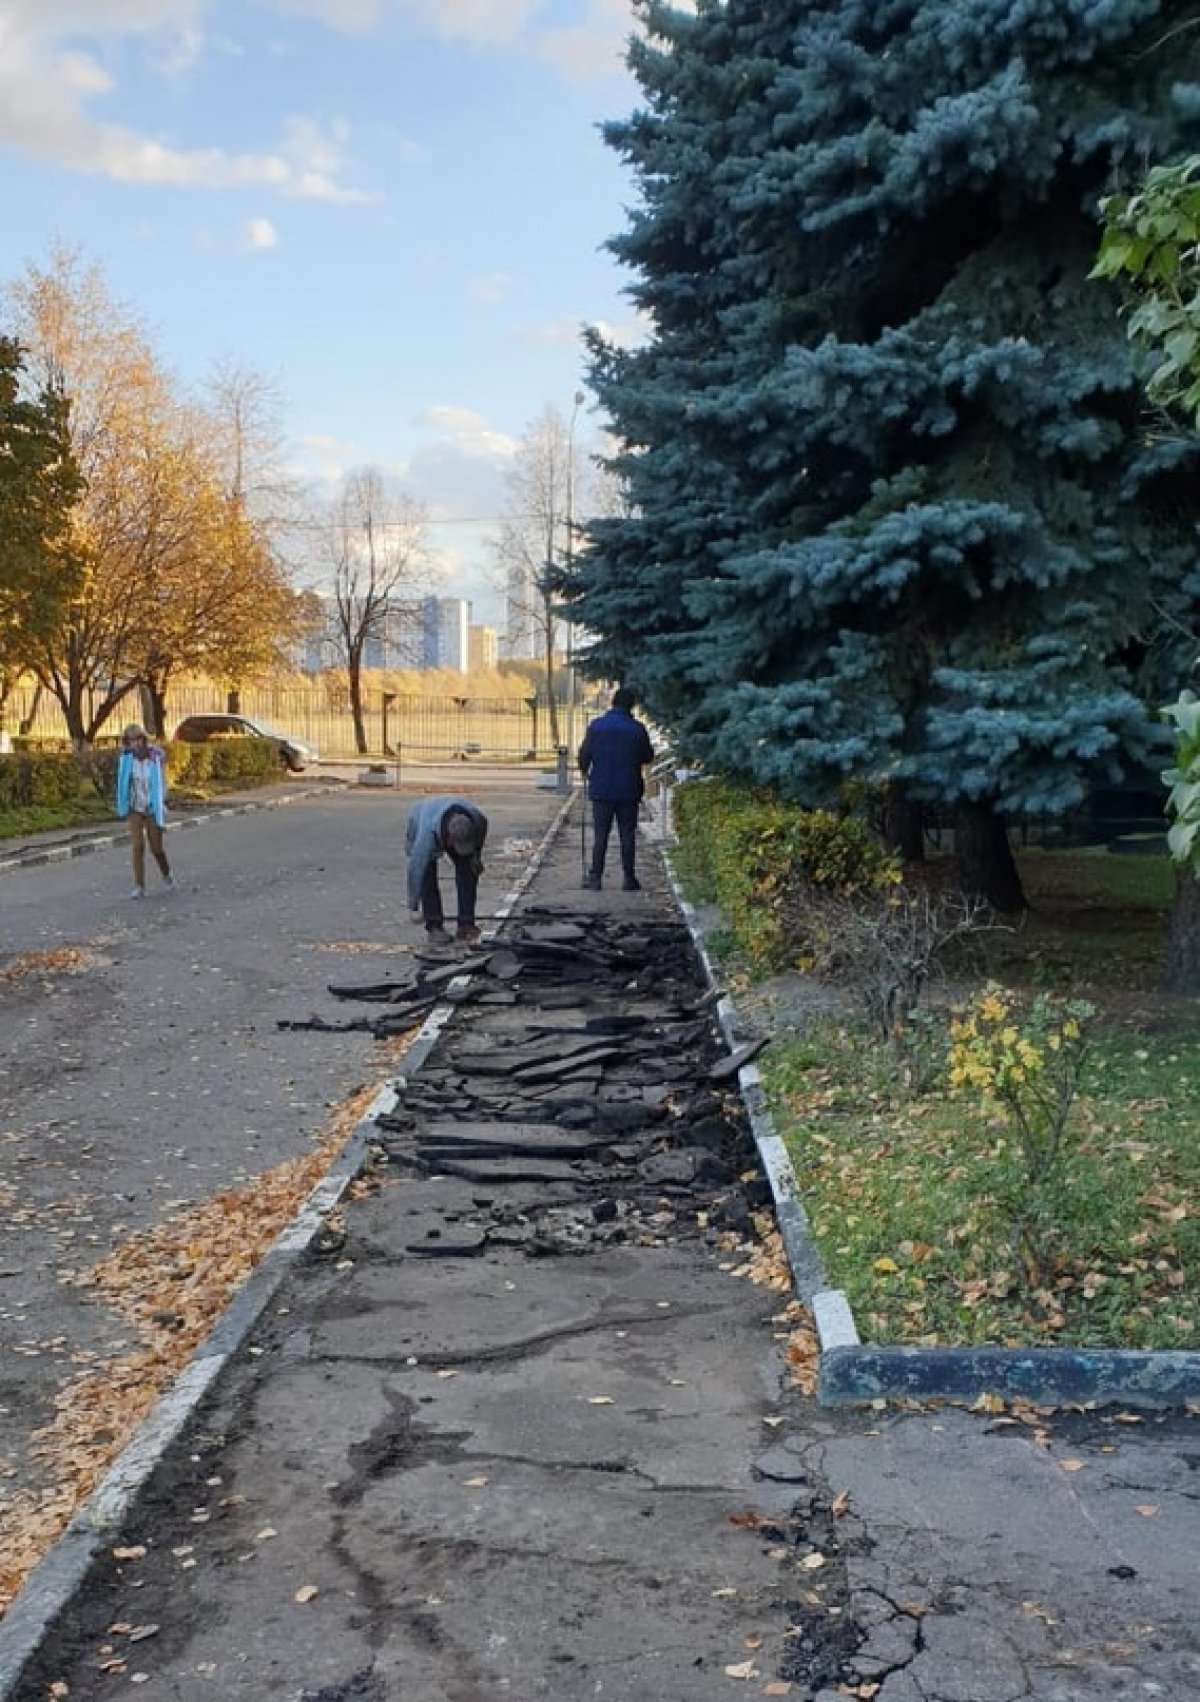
{"x":744,"y":1669}
{"x":306,"y":1592}
{"x":1071,"y":1465}
{"x":813,"y":1562}
{"x":1148,"y":1510}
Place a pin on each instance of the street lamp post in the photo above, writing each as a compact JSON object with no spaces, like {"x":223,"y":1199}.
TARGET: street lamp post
{"x":577,"y":403}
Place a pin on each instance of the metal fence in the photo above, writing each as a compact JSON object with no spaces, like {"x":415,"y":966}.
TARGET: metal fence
{"x":418,"y":727}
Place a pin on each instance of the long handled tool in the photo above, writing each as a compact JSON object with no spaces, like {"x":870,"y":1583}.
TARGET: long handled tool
{"x":583,"y":815}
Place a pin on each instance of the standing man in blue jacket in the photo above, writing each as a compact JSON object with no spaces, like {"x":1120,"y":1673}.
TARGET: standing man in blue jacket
{"x":449,"y":827}
{"x":615,"y":750}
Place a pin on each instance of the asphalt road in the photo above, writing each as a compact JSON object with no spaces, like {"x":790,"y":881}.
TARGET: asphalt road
{"x":145,"y":1072}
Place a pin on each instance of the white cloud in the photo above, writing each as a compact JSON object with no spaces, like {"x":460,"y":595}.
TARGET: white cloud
{"x":629,"y":333}
{"x":44,"y":111}
{"x":447,"y":418}
{"x":594,"y":47}
{"x":474,"y":20}
{"x":322,"y":460}
{"x":259,"y":234}
{"x":79,"y":72}
{"x":462,"y":457}
{"x":491,"y":289}
{"x":181,"y":52}
{"x":479,"y":21}
{"x":561,"y":334}
{"x":340,"y":14}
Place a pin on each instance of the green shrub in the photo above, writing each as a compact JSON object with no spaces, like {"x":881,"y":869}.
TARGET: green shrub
{"x":42,"y":777}
{"x":223,"y":762}
{"x":761,"y":860}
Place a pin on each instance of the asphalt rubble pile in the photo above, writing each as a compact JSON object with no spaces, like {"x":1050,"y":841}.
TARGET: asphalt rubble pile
{"x":517,"y":1423}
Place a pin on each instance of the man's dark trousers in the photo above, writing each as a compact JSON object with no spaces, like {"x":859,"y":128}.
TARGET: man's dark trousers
{"x":467,"y":882}
{"x":603,"y":816}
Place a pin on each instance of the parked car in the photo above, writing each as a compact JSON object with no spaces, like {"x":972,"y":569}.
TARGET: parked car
{"x":295,"y":754}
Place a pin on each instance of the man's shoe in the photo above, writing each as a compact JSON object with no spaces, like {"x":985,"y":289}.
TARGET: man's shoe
{"x":468,"y":933}
{"x":631,"y":884}
{"x":591,"y":883}
{"x":437,"y":936}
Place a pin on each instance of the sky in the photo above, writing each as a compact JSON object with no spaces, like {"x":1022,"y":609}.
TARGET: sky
{"x":395,"y":210}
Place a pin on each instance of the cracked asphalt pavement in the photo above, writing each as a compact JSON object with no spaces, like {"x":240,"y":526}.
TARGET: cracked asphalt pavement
{"x":522,"y":1426}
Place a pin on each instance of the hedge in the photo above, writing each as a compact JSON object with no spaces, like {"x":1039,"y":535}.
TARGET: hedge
{"x":759,"y":859}
{"x":38,"y":775}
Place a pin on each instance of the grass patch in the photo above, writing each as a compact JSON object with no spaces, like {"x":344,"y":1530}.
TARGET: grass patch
{"x":912,"y":1195}
{"x":84,"y":811}
{"x":901,"y":1193}
{"x":90,"y":809}
{"x":1089,"y":910}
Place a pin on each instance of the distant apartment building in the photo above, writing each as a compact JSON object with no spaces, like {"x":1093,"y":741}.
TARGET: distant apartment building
{"x":483,"y":648}
{"x":448,"y":627}
{"x":430,"y":633}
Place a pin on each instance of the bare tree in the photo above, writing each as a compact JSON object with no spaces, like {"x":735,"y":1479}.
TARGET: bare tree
{"x":537,"y":540}
{"x":377,"y":541}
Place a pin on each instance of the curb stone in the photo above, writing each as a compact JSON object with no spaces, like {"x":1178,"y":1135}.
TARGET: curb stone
{"x":104,"y":841}
{"x":852,"y":1373}
{"x":48,"y":1590}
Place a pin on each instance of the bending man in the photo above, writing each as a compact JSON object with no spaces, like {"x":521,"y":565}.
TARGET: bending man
{"x":453,"y":828}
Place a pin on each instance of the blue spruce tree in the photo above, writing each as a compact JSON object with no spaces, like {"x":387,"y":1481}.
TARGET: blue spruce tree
{"x":894,"y":514}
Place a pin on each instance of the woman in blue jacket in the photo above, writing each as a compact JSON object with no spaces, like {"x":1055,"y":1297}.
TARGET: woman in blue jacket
{"x":142,"y":798}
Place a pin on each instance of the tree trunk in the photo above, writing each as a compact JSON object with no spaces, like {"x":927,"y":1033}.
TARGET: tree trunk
{"x":25,"y":726}
{"x":986,"y":868}
{"x":551,"y":703}
{"x":1183,"y":935}
{"x":153,"y":694}
{"x":356,"y":704}
{"x":904,"y":824}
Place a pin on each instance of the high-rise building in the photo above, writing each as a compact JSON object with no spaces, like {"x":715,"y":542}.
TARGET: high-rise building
{"x":483,"y":648}
{"x":447,"y":622}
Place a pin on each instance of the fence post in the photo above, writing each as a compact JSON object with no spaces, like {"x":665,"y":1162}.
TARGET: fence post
{"x":564,"y":773}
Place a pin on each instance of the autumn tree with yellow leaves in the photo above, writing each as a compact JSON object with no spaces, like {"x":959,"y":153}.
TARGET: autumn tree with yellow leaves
{"x":175,"y":571}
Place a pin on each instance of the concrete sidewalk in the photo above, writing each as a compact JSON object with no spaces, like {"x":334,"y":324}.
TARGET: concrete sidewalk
{"x":452,"y":1466}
